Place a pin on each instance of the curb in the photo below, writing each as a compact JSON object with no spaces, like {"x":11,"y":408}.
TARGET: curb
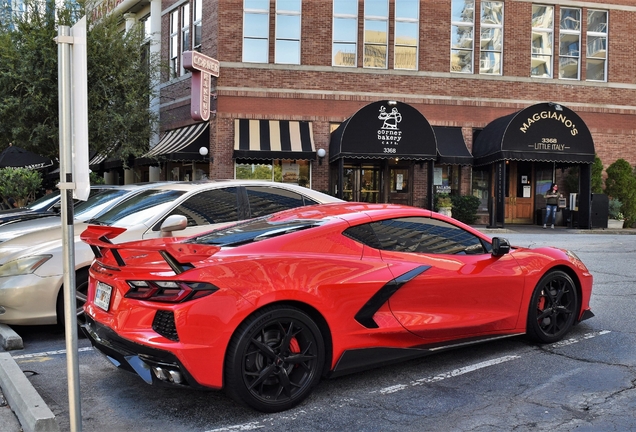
{"x":9,"y":339}
{"x":29,"y":407}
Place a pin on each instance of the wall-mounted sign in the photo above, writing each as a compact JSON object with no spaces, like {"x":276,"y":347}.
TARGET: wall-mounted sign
{"x":202,"y":68}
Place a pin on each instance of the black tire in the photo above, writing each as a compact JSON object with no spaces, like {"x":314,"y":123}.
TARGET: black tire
{"x":553,"y":307}
{"x":274,"y":359}
{"x":81,"y":291}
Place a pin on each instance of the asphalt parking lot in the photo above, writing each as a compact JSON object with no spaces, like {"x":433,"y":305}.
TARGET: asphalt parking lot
{"x":22,"y":408}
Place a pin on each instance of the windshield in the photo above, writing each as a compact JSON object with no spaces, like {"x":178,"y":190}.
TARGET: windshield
{"x":45,"y":202}
{"x":252,"y":231}
{"x":140,"y":209}
{"x":97,"y":203}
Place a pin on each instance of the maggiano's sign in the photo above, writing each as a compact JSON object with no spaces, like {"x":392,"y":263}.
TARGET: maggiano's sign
{"x":548,"y":132}
{"x":554,"y":115}
{"x":543,"y":132}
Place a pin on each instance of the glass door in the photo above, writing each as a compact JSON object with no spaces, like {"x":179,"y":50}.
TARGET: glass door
{"x":362,"y":183}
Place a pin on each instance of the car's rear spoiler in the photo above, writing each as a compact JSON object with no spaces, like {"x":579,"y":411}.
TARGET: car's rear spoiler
{"x":179,"y":256}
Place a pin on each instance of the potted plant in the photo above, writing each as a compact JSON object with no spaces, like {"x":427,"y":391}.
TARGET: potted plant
{"x":444,"y":204}
{"x":616,"y":217}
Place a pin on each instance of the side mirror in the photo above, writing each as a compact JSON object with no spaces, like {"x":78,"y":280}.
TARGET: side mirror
{"x":500,"y":246}
{"x":173,"y":223}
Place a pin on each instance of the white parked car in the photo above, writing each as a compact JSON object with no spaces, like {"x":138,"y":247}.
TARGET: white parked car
{"x":31,"y":275}
{"x":101,"y":197}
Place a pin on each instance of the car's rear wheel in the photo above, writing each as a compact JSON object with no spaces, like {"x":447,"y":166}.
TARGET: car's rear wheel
{"x":553,"y":307}
{"x":274,"y":359}
{"x":81,"y":291}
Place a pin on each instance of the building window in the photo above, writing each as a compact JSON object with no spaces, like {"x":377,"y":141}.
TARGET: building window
{"x":345,"y":33}
{"x":197,"y":10}
{"x":406,"y":38}
{"x":596,"y":61}
{"x":542,"y":39}
{"x":376,"y":33}
{"x":288,"y":25}
{"x":491,"y":38}
{"x":278,"y":170}
{"x":256,"y":31}
{"x":570,"y":43}
{"x":174,"y":44}
{"x":480,"y":188}
{"x":462,"y":35}
{"x":185,"y":32}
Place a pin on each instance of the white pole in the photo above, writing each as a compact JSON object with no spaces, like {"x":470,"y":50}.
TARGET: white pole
{"x":64,"y":41}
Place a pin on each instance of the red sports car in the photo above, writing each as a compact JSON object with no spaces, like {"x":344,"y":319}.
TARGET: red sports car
{"x":268,"y":307}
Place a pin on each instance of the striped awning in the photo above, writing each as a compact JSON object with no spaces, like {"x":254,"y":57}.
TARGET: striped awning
{"x":176,"y":141}
{"x":273,"y":139}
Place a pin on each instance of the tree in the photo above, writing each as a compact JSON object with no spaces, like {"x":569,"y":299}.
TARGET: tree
{"x":621,"y":184}
{"x":21,"y":184}
{"x":120,"y":71}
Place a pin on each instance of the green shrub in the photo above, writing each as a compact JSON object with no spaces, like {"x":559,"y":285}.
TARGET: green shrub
{"x":621,"y":184}
{"x":21,"y":184}
{"x":443,"y":200}
{"x":465,"y":208}
{"x":615,"y":209}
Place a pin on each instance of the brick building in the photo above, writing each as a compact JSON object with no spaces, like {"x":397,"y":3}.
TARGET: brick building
{"x":396,"y":94}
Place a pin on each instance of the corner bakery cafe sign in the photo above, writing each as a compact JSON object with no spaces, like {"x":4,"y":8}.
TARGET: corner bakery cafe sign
{"x":202,"y":67}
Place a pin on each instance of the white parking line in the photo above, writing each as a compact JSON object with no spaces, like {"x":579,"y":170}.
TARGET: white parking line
{"x":48,"y":353}
{"x":579,"y":339}
{"x":481,"y":365}
{"x":443,"y":376}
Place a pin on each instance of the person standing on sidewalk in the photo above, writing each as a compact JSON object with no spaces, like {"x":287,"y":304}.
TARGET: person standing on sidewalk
{"x":551,"y":203}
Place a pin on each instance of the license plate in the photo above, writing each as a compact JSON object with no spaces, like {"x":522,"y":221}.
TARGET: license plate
{"x":102,"y":295}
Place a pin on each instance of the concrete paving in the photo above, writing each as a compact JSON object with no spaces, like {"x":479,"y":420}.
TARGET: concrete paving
{"x":23,"y":409}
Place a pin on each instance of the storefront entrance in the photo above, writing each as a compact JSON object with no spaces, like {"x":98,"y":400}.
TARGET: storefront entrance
{"x":361,"y":183}
{"x":377,"y":182}
{"x":519,"y":207}
{"x":517,"y":147}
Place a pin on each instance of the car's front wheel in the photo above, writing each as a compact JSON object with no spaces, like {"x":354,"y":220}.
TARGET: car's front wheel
{"x":81,"y":291}
{"x":274,"y":359}
{"x":553,"y":307}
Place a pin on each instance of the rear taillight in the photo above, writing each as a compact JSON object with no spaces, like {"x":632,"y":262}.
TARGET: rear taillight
{"x":168,"y":291}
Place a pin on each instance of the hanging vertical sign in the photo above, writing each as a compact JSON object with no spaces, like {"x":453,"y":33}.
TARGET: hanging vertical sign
{"x":202,"y":68}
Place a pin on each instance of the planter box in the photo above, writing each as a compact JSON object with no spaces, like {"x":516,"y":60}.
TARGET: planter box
{"x":613,"y":223}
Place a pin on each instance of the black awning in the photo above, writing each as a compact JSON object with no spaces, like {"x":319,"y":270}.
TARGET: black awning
{"x":16,"y":157}
{"x":546,"y":132}
{"x":383,"y":130}
{"x":451,"y":147}
{"x":273,"y":139}
{"x":180,"y":145}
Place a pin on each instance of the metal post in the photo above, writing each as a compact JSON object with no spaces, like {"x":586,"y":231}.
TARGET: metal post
{"x":64,"y":41}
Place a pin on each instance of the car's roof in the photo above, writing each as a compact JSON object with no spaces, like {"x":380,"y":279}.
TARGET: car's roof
{"x":350,"y":211}
{"x":194,"y":186}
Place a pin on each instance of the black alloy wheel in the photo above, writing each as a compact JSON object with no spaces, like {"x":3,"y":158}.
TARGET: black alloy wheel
{"x":553,"y":307}
{"x":275,"y":359}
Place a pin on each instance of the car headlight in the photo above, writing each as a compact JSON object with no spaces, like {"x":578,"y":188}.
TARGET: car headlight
{"x":24,"y":265}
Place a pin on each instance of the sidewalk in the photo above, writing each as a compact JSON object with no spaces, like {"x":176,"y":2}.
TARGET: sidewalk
{"x":22,"y":408}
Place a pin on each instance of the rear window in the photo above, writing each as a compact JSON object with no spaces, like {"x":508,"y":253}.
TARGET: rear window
{"x":140,"y":208}
{"x":252,"y":231}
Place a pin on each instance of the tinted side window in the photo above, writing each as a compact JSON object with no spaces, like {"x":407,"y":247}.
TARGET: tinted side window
{"x":267,"y":200}
{"x":209,"y":207}
{"x":425,"y":235}
{"x":363,"y":234}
